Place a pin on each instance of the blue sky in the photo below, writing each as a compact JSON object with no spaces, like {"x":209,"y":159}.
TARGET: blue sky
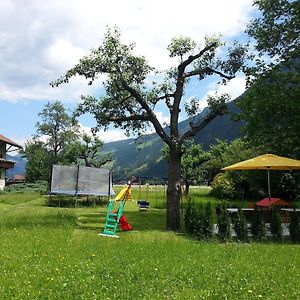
{"x":40,"y":40}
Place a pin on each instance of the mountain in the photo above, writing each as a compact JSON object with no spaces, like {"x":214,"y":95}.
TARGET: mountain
{"x":19,"y":168}
{"x":144,"y":159}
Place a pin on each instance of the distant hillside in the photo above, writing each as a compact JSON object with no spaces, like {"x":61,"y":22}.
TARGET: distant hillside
{"x":19,"y":168}
{"x":145,"y":159}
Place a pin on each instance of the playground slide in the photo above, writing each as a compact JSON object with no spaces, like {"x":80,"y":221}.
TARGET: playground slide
{"x":122,"y":194}
{"x":124,"y":224}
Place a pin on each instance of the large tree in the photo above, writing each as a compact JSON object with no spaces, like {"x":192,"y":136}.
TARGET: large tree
{"x":130,"y":101}
{"x":191,"y":165}
{"x":86,"y":150}
{"x":57,"y":128}
{"x":271,"y":107}
{"x":38,"y":165}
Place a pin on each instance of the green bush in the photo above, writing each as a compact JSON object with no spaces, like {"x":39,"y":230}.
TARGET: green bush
{"x":223,"y":187}
{"x":198,"y":221}
{"x":275,"y":225}
{"x":208,"y":221}
{"x":224,"y":223}
{"x":188,"y":217}
{"x":258,"y":228}
{"x":240,"y":226}
{"x":288,"y":186}
{"x":295,"y":227}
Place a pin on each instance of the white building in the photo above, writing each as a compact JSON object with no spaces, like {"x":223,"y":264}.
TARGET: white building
{"x":6,"y":145}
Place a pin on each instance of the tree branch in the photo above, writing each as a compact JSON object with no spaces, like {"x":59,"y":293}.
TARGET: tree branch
{"x":134,"y":117}
{"x":179,"y":88}
{"x":207,"y":70}
{"x":150,"y":114}
{"x":192,"y":58}
{"x":196,"y":128}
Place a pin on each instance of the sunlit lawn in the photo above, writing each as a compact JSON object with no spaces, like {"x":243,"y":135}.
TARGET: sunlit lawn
{"x":56,"y":253}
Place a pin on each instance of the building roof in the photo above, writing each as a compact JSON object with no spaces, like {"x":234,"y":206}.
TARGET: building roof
{"x":268,"y":202}
{"x":6,"y":164}
{"x":9,"y":142}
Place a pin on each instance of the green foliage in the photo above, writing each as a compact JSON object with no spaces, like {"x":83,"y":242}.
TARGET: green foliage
{"x":86,"y":150}
{"x":191,"y":164}
{"x":294,"y":227}
{"x":58,"y":127}
{"x":223,"y":223}
{"x":275,"y":225}
{"x":208,"y":226}
{"x":198,"y":220}
{"x":181,"y":46}
{"x":276,"y":29}
{"x":258,"y":228}
{"x":223,"y":187}
{"x":270,"y":107}
{"x":289,"y":187}
{"x":240,"y":226}
{"x":189,"y":218}
{"x":39,"y":161}
{"x":223,"y":154}
{"x":272,"y":112}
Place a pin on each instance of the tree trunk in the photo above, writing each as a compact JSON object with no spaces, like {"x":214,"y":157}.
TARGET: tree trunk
{"x":174,"y":190}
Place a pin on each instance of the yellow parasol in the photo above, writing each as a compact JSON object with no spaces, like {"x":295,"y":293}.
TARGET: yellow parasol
{"x":266,"y":162}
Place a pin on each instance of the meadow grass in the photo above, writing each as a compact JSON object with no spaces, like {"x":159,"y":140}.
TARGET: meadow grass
{"x":55,"y":253}
{"x":18,"y":197}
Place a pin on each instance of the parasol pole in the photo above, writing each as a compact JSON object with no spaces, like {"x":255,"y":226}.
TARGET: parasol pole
{"x":269,"y":189}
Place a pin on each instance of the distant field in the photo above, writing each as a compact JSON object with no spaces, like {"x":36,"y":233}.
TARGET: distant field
{"x":56,"y":253}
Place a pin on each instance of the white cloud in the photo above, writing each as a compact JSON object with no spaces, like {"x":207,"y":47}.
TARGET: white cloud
{"x":108,"y":136}
{"x":162,"y":118}
{"x":40,"y":40}
{"x":235,"y":88}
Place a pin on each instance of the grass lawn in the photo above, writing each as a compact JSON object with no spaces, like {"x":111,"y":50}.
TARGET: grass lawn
{"x":55,"y":253}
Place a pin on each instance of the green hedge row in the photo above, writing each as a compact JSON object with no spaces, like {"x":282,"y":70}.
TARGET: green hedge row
{"x":199,"y":224}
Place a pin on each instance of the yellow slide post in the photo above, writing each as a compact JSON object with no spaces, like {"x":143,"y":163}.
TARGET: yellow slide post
{"x":122,"y":194}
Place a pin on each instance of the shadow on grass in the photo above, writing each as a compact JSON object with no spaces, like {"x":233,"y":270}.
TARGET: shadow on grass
{"x":153,"y":219}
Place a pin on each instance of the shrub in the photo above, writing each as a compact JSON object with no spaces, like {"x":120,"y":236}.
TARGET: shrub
{"x":276,"y":225}
{"x":295,"y":227}
{"x":240,"y":226}
{"x":224,"y":224}
{"x":198,"y":221}
{"x":188,"y":218}
{"x":191,"y":217}
{"x":208,"y":221}
{"x":288,"y":186}
{"x":258,"y":228}
{"x":223,"y":187}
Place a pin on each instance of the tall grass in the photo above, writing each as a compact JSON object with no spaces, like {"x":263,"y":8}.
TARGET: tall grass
{"x":18,"y":197}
